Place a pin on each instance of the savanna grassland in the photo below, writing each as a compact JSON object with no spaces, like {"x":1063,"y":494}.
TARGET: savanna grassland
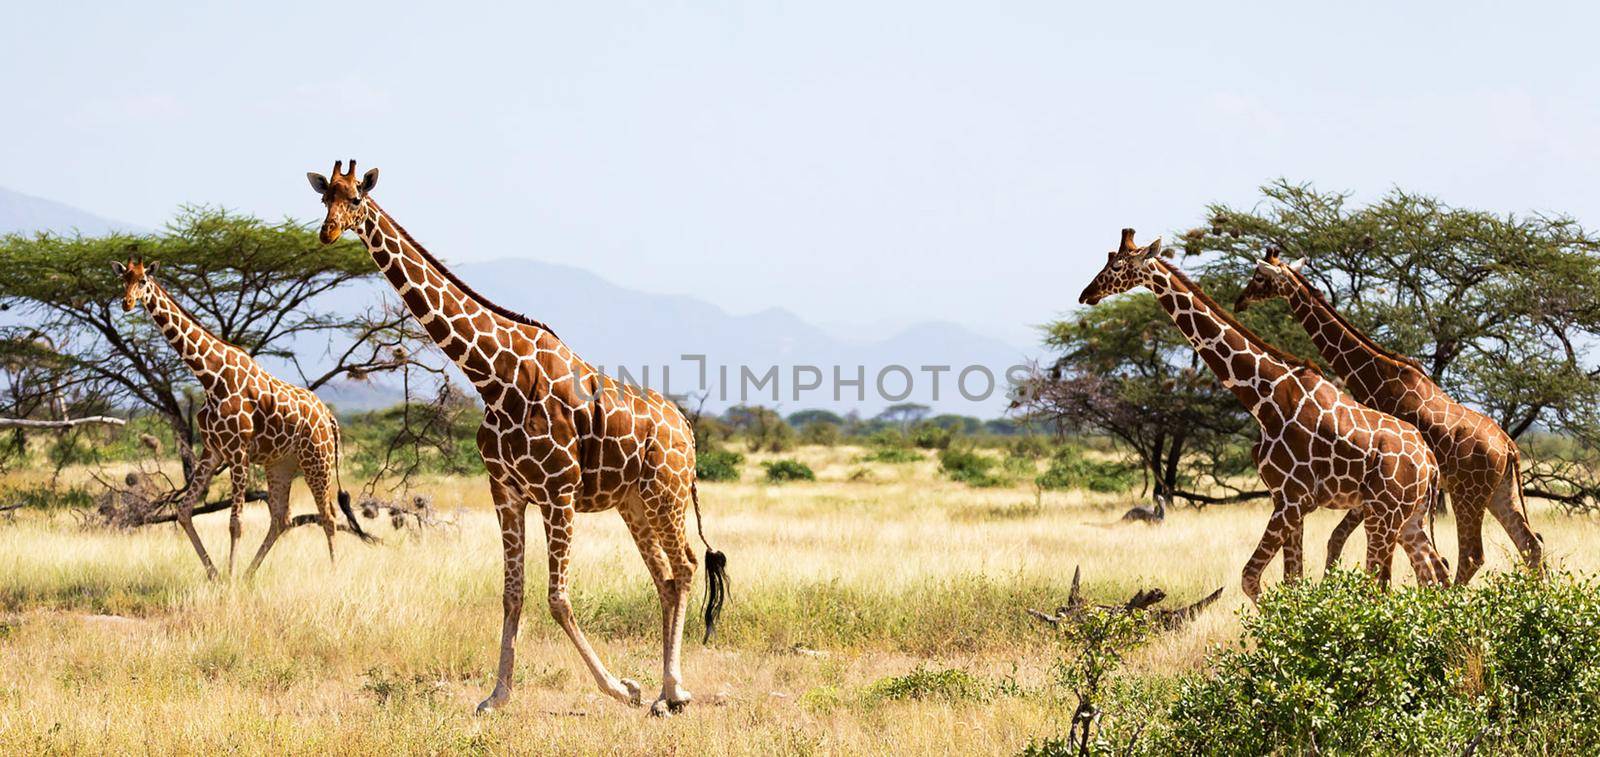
{"x":842,"y":588}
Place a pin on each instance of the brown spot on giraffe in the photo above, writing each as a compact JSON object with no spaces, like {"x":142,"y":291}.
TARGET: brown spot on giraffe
{"x":250,"y":417}
{"x":557,"y":434}
{"x":1318,"y":447}
{"x":1478,"y":460}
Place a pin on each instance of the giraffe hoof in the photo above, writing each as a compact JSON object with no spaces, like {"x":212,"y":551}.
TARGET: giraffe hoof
{"x":496,"y":698}
{"x":634,"y":692}
{"x":665,"y":707}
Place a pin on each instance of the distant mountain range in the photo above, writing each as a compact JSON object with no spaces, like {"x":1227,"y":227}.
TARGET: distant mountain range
{"x":639,"y":334}
{"x":26,"y":214}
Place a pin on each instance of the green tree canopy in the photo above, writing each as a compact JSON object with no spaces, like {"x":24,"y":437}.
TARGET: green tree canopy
{"x":1500,"y":309}
{"x":255,"y":284}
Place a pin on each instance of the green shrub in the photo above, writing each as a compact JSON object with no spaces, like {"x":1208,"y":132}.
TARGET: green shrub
{"x":1344,"y":666}
{"x":929,"y":436}
{"x":892,"y":455}
{"x":1028,"y":446}
{"x":825,"y":433}
{"x":718,"y":465}
{"x":779,"y":471}
{"x":970,"y":467}
{"x":47,"y":497}
{"x":950,"y":684}
{"x":1071,"y":469}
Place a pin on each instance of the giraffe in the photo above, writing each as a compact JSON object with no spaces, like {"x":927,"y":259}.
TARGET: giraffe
{"x":1318,"y":447}
{"x":250,"y":417}
{"x":1479,"y":462}
{"x":556,"y":433}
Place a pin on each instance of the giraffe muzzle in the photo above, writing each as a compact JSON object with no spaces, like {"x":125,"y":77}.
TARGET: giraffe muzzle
{"x":330,"y":233}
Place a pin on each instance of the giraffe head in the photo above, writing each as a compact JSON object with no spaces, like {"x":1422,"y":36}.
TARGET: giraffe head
{"x":344,"y":195}
{"x":1126,"y":268}
{"x":136,"y":284}
{"x":1273,"y":278}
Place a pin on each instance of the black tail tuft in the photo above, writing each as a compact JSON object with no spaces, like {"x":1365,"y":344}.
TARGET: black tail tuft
{"x":716,"y":590}
{"x":350,"y":515}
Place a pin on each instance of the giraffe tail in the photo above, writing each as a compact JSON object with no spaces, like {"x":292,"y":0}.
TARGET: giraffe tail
{"x":344,"y":496}
{"x":716,"y":571}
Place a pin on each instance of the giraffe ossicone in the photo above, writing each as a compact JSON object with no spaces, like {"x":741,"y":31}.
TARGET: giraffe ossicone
{"x":1317,"y":448}
{"x":557,"y":434}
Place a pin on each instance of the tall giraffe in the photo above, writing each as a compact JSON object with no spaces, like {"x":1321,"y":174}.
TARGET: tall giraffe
{"x":1478,"y":460}
{"x":556,"y":433}
{"x":1318,"y":447}
{"x":250,"y":417}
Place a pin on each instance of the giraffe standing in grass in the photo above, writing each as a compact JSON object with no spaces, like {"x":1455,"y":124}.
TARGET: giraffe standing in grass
{"x":557,"y":434}
{"x":1479,"y":461}
{"x":1318,"y":447}
{"x":249,"y":417}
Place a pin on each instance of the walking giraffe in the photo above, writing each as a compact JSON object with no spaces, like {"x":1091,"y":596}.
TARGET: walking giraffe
{"x":1479,"y":462}
{"x":250,"y":417}
{"x":1318,"y":447}
{"x":556,"y":433}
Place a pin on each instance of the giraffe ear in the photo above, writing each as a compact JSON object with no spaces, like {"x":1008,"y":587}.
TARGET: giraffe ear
{"x":1297,"y":265}
{"x":318,"y":182}
{"x":151,"y":267}
{"x":1154,"y":249}
{"x":369,"y":180}
{"x":120,"y":267}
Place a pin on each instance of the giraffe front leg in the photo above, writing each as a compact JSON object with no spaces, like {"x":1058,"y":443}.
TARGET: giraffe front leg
{"x":1293,"y":545}
{"x":1271,"y":540}
{"x":558,"y":536}
{"x":1341,"y":534}
{"x":239,"y":474}
{"x":513,"y":531}
{"x":197,"y":489}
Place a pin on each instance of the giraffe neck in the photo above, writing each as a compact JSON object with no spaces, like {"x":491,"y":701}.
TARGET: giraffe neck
{"x":1372,"y":376}
{"x":200,"y":349}
{"x":1246,"y":367}
{"x":472,"y":331}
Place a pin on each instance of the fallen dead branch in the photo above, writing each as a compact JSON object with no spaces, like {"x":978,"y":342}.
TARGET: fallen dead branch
{"x":1144,"y":599}
{"x":69,"y":423}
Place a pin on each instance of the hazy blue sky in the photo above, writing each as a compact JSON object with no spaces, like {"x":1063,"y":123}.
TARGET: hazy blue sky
{"x":857,"y":163}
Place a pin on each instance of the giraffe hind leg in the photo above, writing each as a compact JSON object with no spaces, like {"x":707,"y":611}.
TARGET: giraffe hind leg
{"x":279,"y":478}
{"x":637,"y":516}
{"x":668,"y":523}
{"x":1514,"y":519}
{"x":1426,"y":563}
{"x":1469,"y":536}
{"x":322,"y":492}
{"x":558,"y":537}
{"x":239,"y":475}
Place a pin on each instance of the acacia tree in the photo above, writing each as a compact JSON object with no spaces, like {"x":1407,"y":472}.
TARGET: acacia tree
{"x":1124,"y":372}
{"x":1499,"y":309}
{"x":259,"y":285}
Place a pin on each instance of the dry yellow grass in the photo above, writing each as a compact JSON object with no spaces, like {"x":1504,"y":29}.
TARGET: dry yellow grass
{"x":114,"y":642}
